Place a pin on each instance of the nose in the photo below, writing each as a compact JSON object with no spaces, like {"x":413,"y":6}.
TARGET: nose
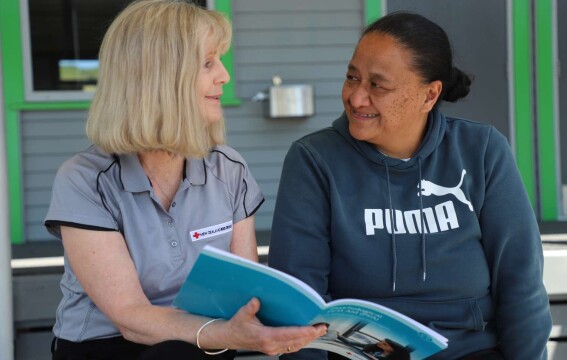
{"x":359,"y":97}
{"x":223,"y":76}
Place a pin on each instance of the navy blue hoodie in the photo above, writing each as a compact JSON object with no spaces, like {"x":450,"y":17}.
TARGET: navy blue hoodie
{"x":347,"y":222}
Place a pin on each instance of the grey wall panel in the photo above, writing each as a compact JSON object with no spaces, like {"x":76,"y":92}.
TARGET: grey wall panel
{"x":290,"y":72}
{"x":291,"y":19}
{"x":295,"y":6}
{"x":302,"y":37}
{"x":478,"y":33}
{"x":48,"y":139}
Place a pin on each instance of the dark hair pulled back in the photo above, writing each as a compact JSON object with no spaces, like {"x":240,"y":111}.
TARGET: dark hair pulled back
{"x":431,"y":49}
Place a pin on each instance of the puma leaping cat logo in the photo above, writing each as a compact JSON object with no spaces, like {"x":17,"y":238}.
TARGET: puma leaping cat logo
{"x":429,"y":188}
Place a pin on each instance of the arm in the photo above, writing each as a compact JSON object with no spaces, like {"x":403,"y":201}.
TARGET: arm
{"x":243,"y":241}
{"x":104,"y":268}
{"x":512,"y":243}
{"x":302,"y":221}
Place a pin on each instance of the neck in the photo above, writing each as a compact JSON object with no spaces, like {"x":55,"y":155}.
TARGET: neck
{"x":404,"y":147}
{"x":165,"y":171}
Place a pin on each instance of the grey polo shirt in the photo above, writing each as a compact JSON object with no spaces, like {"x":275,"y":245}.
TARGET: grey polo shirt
{"x":100,"y":191}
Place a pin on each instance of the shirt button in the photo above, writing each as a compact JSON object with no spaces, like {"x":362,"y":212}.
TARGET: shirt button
{"x":174,"y":243}
{"x":170,"y":223}
{"x":173,"y":204}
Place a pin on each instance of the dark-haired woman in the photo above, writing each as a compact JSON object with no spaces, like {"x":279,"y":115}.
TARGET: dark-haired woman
{"x":398,"y":204}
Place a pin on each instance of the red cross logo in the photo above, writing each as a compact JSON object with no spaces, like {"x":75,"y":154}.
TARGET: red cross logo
{"x":196,"y":235}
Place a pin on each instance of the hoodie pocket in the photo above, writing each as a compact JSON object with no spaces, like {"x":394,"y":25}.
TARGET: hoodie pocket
{"x":463,"y":315}
{"x":442,"y":316}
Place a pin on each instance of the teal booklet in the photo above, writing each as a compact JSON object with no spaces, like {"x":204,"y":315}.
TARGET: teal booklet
{"x":220,"y":283}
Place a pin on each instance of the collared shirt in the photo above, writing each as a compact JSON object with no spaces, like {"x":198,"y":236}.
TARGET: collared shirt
{"x":100,"y":191}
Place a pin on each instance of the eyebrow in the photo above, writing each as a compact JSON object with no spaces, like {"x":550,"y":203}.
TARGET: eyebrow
{"x":373,"y":75}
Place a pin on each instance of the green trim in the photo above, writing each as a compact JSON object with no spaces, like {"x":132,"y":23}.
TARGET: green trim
{"x":373,"y":10}
{"x":52,"y":105}
{"x":229,"y":90}
{"x":546,"y":116}
{"x":523,"y":106}
{"x":12,"y":70}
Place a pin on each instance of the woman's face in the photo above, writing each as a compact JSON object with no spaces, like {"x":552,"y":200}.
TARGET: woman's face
{"x":385,"y":100}
{"x":210,"y":79}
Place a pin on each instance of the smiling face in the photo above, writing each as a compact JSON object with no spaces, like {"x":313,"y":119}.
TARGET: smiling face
{"x":386,"y":101}
{"x":210,"y":79}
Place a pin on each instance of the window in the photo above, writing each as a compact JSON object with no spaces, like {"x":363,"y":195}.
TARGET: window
{"x":61,"y":40}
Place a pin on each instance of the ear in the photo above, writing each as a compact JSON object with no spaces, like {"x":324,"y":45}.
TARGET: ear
{"x":433,"y":91}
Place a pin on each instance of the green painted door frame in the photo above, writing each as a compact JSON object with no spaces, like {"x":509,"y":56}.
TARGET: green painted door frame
{"x":546,"y":108}
{"x":522,"y":70}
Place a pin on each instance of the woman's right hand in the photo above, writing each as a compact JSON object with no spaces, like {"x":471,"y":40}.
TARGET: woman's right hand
{"x":245,"y":331}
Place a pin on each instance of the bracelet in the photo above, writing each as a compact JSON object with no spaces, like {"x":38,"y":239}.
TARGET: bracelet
{"x":199,"y":332}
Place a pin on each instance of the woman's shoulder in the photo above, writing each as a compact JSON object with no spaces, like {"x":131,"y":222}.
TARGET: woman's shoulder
{"x":225,"y":153}
{"x":90,"y":161}
{"x":475,"y":132}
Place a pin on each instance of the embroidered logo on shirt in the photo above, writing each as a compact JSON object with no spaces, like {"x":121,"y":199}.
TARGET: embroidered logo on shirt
{"x":201,"y":234}
{"x":429,"y":188}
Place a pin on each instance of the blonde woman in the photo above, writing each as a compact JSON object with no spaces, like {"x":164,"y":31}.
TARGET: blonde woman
{"x":130,"y":209}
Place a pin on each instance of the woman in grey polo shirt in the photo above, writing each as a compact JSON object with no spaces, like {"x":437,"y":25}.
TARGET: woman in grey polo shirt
{"x":132,"y":209}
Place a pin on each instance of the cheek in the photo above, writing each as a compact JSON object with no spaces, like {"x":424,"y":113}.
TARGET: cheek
{"x":346,"y":92}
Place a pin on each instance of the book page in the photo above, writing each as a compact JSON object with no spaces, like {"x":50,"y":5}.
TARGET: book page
{"x":364,"y":328}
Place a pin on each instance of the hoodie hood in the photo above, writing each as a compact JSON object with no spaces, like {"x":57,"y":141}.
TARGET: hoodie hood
{"x":436,"y":124}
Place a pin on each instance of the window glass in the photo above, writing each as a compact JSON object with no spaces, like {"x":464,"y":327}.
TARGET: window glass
{"x":65,"y":36}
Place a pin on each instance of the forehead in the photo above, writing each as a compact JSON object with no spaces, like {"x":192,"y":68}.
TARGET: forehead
{"x":381,"y":53}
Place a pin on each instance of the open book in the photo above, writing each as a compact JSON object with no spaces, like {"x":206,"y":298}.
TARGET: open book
{"x":220,"y":283}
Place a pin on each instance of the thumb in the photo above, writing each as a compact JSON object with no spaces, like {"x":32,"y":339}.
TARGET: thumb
{"x":249,"y":310}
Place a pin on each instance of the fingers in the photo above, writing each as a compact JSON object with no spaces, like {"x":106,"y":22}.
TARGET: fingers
{"x":296,"y":338}
{"x":248,"y":332}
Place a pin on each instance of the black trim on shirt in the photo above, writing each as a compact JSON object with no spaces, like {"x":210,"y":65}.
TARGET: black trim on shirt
{"x":257,"y":207}
{"x":243,"y":180}
{"x":102,"y":199}
{"x":53,"y":223}
{"x":184,"y":168}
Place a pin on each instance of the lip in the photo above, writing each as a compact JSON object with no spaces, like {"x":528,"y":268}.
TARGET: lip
{"x":213,"y":97}
{"x":363,"y":116}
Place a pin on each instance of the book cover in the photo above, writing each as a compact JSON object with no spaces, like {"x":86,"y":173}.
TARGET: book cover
{"x":220,"y":283}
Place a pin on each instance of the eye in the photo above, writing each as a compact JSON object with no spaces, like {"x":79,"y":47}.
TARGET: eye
{"x":375,"y":85}
{"x":351,"y":78}
{"x":208,"y":64}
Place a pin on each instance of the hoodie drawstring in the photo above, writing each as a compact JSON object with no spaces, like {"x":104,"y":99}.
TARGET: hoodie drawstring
{"x":393,"y":238}
{"x":423,"y":259}
{"x":394,"y":227}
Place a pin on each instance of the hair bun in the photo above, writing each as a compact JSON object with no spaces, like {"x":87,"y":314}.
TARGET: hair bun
{"x":458,"y":87}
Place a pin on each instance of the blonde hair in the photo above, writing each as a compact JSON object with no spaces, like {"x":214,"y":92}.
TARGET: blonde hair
{"x":149,"y":61}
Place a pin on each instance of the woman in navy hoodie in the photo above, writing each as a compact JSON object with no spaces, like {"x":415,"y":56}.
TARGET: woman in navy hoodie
{"x":399,"y":205}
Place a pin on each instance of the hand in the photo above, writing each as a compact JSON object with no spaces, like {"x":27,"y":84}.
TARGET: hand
{"x":245,"y":331}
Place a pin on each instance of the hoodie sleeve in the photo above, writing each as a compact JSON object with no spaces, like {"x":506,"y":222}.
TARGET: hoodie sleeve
{"x":299,"y":243}
{"x":512,"y":243}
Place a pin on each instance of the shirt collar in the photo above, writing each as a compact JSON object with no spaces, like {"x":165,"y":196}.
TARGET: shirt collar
{"x":195,"y":168}
{"x":132,"y":174}
{"x":135,"y":179}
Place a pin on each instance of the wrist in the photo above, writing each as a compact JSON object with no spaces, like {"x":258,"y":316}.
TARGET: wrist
{"x":204,"y":332}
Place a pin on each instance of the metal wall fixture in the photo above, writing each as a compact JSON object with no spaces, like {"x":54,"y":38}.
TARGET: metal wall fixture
{"x":285,"y":101}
